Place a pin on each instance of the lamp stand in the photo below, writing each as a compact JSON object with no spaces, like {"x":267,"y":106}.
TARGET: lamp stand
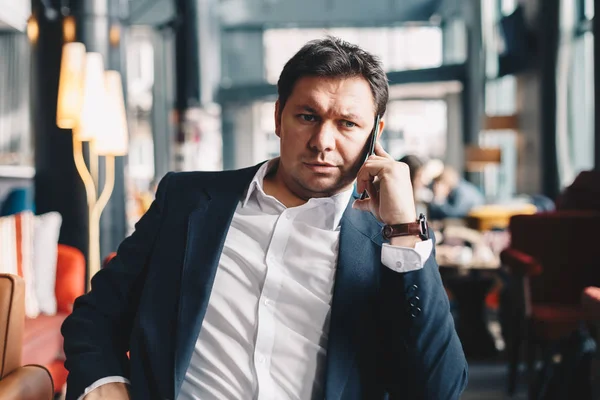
{"x":95,"y":204}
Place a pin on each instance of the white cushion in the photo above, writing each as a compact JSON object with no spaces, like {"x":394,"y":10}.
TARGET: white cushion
{"x":16,"y":248}
{"x":45,"y":243}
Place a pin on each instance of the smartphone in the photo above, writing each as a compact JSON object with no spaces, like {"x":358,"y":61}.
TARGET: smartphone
{"x":374,"y":134}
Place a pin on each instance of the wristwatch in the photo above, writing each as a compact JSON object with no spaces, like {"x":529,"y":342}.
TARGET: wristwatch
{"x":417,"y":228}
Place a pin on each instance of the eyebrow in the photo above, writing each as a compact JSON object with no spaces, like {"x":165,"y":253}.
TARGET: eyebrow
{"x":349,"y":116}
{"x":308,"y":109}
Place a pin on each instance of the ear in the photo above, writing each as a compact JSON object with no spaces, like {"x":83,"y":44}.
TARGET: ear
{"x":277,"y":117}
{"x":381,"y":126}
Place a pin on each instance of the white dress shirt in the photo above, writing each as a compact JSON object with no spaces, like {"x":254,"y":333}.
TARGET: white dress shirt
{"x":265,"y":331}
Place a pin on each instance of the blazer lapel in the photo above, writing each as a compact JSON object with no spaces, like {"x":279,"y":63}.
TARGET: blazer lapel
{"x":355,"y":287}
{"x":207,"y":229}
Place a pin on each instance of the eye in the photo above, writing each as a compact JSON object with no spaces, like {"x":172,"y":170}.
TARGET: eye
{"x":348,"y":124}
{"x":308,"y":117}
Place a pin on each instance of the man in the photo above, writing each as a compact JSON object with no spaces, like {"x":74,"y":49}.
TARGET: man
{"x":453,"y":197}
{"x":271,"y":282}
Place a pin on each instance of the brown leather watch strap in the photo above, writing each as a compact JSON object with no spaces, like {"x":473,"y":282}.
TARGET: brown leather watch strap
{"x":410,"y":229}
{"x":417,"y":228}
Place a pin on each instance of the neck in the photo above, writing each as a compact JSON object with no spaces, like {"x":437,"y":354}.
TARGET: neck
{"x":274,"y":185}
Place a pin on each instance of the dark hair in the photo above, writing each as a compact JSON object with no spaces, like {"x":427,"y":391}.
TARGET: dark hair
{"x":414,"y":164}
{"x":334,"y":58}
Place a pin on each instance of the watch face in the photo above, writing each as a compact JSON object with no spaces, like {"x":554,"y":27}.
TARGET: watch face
{"x":423,"y":226}
{"x":387,"y":231}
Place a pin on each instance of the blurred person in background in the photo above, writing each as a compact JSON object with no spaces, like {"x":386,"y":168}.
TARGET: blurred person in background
{"x":453,"y":196}
{"x":422,"y":193}
{"x":415,"y":167}
{"x":274,"y":281}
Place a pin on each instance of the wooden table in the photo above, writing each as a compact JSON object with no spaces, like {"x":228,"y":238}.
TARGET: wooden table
{"x":495,"y":216}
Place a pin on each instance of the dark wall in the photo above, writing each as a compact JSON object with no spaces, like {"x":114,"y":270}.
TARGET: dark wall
{"x":57,"y":184}
{"x":597,"y":85}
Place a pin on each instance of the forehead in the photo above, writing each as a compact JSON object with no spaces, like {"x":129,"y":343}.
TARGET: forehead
{"x":335,"y":95}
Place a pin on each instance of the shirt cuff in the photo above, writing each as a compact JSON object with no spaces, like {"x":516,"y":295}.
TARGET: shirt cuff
{"x":103,"y":381}
{"x":405,"y":259}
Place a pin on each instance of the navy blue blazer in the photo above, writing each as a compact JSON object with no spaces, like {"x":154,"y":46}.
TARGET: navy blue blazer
{"x":391,"y":334}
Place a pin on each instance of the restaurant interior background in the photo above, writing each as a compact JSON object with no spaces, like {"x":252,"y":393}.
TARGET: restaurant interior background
{"x":502,"y":91}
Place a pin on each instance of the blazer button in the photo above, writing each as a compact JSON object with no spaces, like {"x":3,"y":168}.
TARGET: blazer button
{"x":415,"y":312}
{"x":414,"y":301}
{"x":412,"y":289}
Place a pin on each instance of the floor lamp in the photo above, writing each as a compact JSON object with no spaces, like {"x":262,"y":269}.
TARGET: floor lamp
{"x":91,"y":104}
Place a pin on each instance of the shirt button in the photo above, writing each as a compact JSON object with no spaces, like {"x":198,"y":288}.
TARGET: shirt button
{"x":267,"y":302}
{"x":261,"y":359}
{"x":289,"y":216}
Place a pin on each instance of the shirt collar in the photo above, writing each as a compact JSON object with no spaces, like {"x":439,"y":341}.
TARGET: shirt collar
{"x":339,"y":200}
{"x":257,"y":182}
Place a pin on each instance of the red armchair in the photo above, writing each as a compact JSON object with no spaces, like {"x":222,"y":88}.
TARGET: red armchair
{"x":42,"y":340}
{"x":551,"y":259}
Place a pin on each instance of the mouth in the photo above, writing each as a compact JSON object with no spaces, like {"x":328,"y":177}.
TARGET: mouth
{"x":320,"y":167}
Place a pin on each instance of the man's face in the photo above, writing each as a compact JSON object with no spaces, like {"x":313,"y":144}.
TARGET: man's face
{"x":324,"y":129}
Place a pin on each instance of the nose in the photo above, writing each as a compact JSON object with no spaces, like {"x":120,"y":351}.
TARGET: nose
{"x":323,"y":137}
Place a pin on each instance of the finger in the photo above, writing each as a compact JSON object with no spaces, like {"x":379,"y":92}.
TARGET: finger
{"x":369,"y":186}
{"x":371,"y":169}
{"x":367,"y":204}
{"x":373,"y":191}
{"x":370,"y":172}
{"x":374,"y":157}
{"x":381,"y":152}
{"x":362,"y":205}
{"x":365,"y":177}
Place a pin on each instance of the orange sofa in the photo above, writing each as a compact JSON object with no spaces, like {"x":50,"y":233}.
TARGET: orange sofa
{"x":42,"y":340}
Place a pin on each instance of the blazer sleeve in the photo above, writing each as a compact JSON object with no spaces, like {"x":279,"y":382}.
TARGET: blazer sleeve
{"x":96,"y":334}
{"x":422,"y":357}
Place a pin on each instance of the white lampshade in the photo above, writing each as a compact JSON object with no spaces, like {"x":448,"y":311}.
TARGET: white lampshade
{"x":93,"y":111}
{"x":114,"y":139}
{"x":70,"y":88}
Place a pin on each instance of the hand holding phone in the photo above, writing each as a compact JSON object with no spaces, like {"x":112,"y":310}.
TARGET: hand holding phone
{"x":390,"y":194}
{"x":373,"y":140}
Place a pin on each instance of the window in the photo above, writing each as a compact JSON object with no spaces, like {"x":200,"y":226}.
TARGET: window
{"x":400,"y":48}
{"x":16,"y":145}
{"x":500,"y":99}
{"x":415,"y":127}
{"x":501,"y":96}
{"x":575,"y":91}
{"x":581,"y":105}
{"x":507,"y":7}
{"x":266,"y":141}
{"x":589,"y":9}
